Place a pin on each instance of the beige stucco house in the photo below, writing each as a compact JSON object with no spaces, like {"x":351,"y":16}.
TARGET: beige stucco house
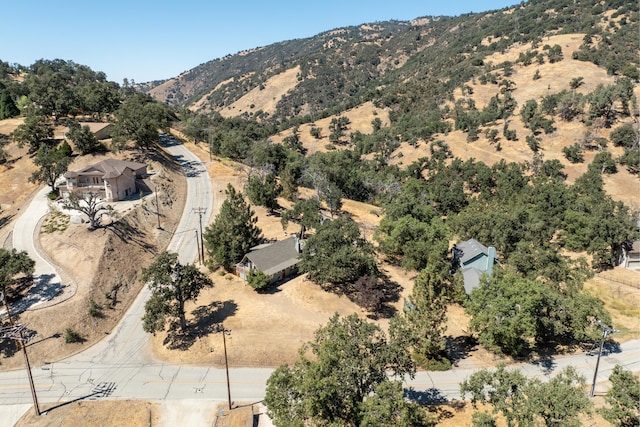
{"x":113,"y":179}
{"x":101,"y":130}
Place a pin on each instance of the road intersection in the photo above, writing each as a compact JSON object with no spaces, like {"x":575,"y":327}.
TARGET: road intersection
{"x":121,"y":366}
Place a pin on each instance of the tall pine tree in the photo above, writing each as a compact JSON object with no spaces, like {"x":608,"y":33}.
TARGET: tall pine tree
{"x":233,"y":233}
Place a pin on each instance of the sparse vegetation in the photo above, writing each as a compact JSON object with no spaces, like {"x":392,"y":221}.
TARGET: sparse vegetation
{"x":55,"y":221}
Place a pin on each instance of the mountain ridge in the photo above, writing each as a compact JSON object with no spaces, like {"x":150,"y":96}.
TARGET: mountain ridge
{"x":388,"y":60}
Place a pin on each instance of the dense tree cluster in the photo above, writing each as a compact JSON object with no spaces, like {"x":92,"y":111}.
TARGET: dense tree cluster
{"x":622,"y":399}
{"x":337,"y":255}
{"x":344,"y":380}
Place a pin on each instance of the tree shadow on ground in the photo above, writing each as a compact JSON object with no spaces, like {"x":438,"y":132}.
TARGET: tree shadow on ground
{"x":8,"y":347}
{"x":44,"y":288}
{"x":609,"y":347}
{"x":130,"y":234}
{"x":435,"y":402}
{"x":544,"y":359}
{"x":207,"y":319}
{"x":430,"y":396}
{"x":459,"y":348}
{"x":4,"y":220}
{"x":18,"y":289}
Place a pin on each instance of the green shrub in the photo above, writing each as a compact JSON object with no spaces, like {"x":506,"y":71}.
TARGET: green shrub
{"x":573,"y":153}
{"x":95,"y":310}
{"x":71,"y":336}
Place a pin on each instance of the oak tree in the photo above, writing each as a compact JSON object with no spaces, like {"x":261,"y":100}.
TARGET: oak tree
{"x":337,"y":254}
{"x":264,"y":191}
{"x":51,"y":162}
{"x":305,"y":212}
{"x":12,"y":264}
{"x":524,"y":402}
{"x":139,"y":119}
{"x":622,"y":399}
{"x":341,"y":382}
{"x":83,"y":139}
{"x":34,"y":131}
{"x":172,"y":284}
{"x":91,"y":205}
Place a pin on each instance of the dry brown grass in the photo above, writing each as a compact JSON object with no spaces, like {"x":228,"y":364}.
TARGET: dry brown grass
{"x":241,"y":415}
{"x":360,"y":118}
{"x":264,"y":98}
{"x":619,"y":290}
{"x":14,"y":174}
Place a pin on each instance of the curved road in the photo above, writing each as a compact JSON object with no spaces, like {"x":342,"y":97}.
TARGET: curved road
{"x":121,"y":366}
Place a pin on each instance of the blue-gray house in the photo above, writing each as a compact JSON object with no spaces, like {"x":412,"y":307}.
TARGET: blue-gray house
{"x":473,"y":259}
{"x":277,"y":260}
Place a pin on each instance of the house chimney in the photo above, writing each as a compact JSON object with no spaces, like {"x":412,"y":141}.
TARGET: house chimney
{"x":491,"y":258}
{"x":297,"y":243}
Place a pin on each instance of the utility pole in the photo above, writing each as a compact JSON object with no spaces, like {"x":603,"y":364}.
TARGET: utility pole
{"x":199,"y":254}
{"x":605,"y":330}
{"x":226,"y":364}
{"x":16,"y":333}
{"x":200,"y":212}
{"x":157,"y":208}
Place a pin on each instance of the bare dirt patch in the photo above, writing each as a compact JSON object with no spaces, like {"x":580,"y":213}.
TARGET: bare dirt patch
{"x":131,"y":413}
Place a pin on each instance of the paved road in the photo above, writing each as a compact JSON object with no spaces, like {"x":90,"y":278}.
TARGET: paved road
{"x":47,"y":282}
{"x":122,"y":367}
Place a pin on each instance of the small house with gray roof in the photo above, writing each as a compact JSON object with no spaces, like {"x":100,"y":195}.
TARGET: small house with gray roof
{"x":473,"y":259}
{"x":113,"y":179}
{"x":279,"y":260}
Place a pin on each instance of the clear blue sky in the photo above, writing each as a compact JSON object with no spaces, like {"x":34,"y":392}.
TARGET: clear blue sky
{"x":146,"y":40}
